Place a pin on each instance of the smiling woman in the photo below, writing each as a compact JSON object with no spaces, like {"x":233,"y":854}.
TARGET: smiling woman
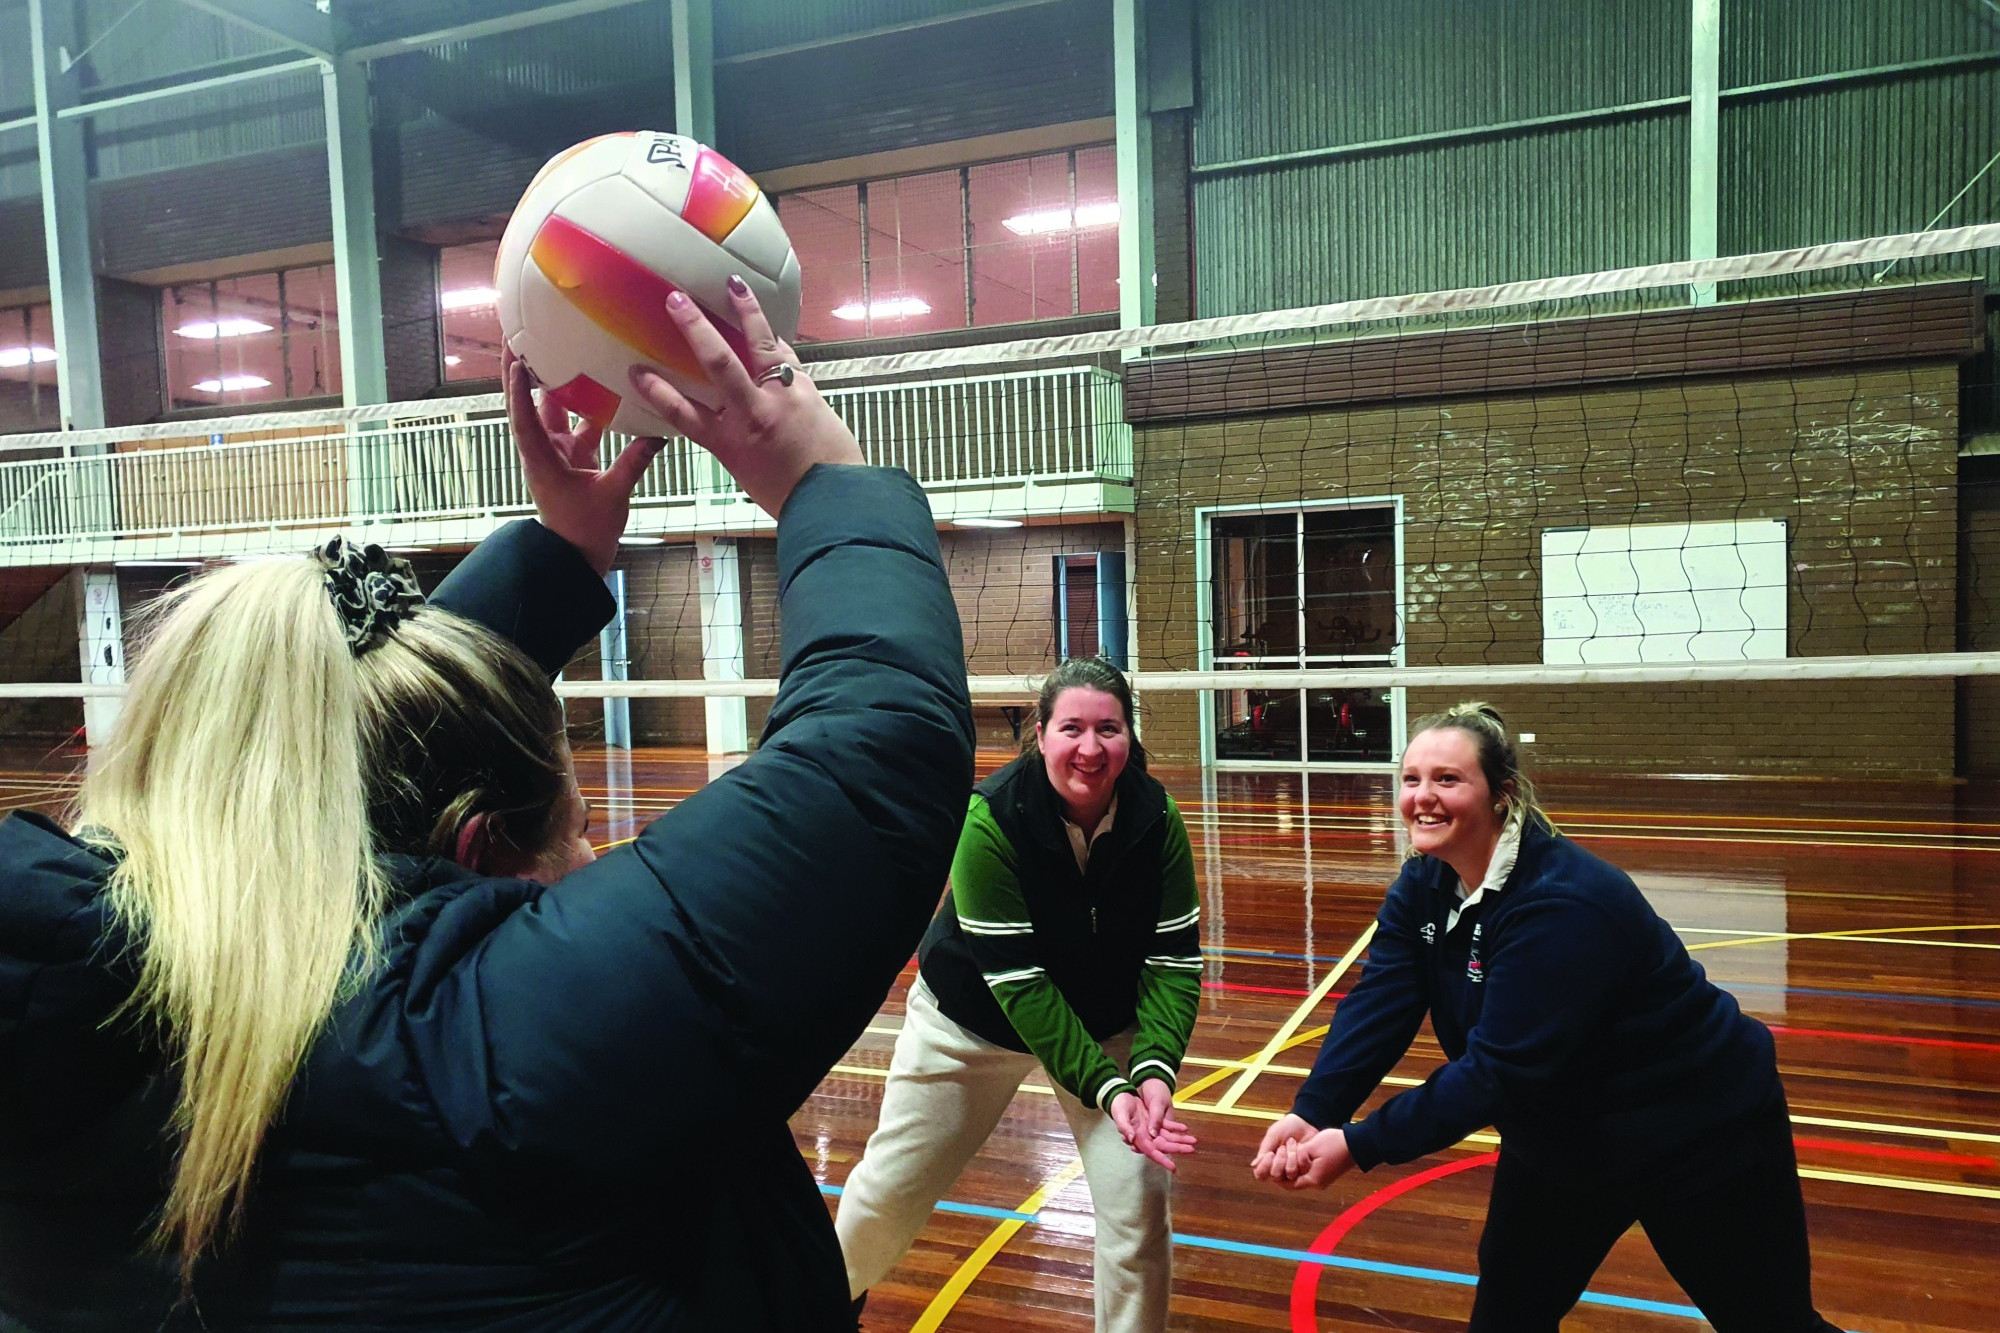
{"x":1069,"y":939}
{"x":1626,"y":1087}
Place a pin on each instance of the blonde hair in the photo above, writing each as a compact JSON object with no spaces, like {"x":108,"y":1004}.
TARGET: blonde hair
{"x":230,"y":786}
{"x":256,"y":771}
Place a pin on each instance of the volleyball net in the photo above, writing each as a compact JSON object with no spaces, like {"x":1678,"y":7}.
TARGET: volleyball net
{"x":1738,"y":514}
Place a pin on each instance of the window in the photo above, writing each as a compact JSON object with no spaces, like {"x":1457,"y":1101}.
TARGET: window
{"x":1002,"y":243}
{"x":28,"y":366}
{"x":1296,"y":589}
{"x":469,"y":320}
{"x":1090,"y":606}
{"x":267,"y":337}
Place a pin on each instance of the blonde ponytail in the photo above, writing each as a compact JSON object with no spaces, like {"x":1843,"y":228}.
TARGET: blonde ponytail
{"x":233,"y":787}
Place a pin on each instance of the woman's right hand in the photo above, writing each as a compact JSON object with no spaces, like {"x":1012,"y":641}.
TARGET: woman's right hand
{"x":767,"y":433}
{"x":1291,"y":1129}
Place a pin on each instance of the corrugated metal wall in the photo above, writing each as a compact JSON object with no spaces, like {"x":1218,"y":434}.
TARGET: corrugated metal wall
{"x":1858,"y":157}
{"x":1854,"y":158}
{"x":760,"y":25}
{"x":128,"y":44}
{"x":1044,"y":64}
{"x":1295,"y":76}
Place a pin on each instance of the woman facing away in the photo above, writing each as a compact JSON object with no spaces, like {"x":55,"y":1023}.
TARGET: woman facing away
{"x":1069,"y":940}
{"x":325,"y":1016}
{"x":1625,"y":1085}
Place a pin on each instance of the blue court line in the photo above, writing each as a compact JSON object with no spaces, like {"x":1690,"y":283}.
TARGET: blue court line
{"x":1830,"y":993}
{"x":1325,"y":1260}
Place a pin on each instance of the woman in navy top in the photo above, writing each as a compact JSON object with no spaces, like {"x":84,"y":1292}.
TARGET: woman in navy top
{"x":1625,"y":1085}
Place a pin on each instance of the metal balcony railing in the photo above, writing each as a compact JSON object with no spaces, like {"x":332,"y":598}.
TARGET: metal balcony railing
{"x":423,"y":462}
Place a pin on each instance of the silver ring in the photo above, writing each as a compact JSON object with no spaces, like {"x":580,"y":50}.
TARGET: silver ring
{"x":784,"y":373}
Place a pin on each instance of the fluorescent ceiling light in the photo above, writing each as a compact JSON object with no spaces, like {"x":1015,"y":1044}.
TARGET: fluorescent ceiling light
{"x":1059,"y":219}
{"x":469,"y":298}
{"x":642,"y":541}
{"x":231,"y":383}
{"x":13,"y":358}
{"x":452,"y":360}
{"x":892,"y":307}
{"x":986,"y":522}
{"x":236,"y":326}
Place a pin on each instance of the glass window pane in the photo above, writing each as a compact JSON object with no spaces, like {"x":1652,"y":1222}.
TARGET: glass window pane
{"x":1350,"y":579}
{"x":1257,"y":724}
{"x":1097,"y":229}
{"x":825,"y":227}
{"x":1021,"y":240}
{"x":916,"y":258}
{"x":312,"y":314}
{"x":1256,"y":587}
{"x":470,"y":321}
{"x":1347,"y":725}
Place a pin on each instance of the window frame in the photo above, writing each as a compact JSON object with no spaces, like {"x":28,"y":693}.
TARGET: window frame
{"x":1205,"y":517}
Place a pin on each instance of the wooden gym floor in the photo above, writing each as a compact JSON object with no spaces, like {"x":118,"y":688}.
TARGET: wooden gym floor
{"x":1861,"y":921}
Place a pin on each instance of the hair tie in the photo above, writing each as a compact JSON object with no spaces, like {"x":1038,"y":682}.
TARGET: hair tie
{"x":370,"y":589}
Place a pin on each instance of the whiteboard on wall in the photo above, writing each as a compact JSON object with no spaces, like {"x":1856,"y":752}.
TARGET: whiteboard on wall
{"x":1664,"y":592}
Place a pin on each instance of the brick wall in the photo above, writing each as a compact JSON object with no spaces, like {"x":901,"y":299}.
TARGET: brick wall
{"x":1861,"y":465}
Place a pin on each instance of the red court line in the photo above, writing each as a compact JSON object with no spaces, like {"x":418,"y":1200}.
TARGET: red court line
{"x":1889,"y":1039}
{"x":1305,"y":1283}
{"x":1898,"y":1154}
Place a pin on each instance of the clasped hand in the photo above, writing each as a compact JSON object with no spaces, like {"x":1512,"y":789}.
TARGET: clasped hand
{"x":1296,"y":1154}
{"x":1147,"y":1124}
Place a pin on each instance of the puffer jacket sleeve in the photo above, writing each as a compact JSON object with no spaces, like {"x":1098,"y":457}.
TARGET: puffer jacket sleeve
{"x":713,"y":970}
{"x":532,"y":588}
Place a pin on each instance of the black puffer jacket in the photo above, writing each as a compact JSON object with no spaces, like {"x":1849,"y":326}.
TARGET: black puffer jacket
{"x":552,"y":1108}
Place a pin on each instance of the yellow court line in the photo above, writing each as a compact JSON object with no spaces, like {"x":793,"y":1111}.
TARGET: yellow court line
{"x":1291,"y":1025}
{"x":941,"y":1304}
{"x":1485,"y":1139}
{"x":1758,"y":936}
{"x":1875,"y":931}
{"x":1902,"y":1183}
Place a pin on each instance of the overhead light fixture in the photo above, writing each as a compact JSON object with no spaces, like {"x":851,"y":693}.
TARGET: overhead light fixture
{"x":236,"y":326}
{"x":1060,"y":219}
{"x":13,"y":358}
{"x":453,"y":360}
{"x":986,"y":522}
{"x":890,"y":307}
{"x":469,"y":298}
{"x":232,"y":383}
{"x":642,"y":541}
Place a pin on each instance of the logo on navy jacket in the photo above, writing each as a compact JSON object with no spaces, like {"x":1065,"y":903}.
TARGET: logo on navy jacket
{"x":1429,"y":932}
{"x":1473,"y":971}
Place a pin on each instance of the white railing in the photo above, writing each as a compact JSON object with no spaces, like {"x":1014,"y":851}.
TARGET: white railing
{"x":316,"y":470}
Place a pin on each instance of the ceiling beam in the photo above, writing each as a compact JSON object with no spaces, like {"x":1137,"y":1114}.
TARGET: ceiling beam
{"x":292,"y":22}
{"x":375,"y":47}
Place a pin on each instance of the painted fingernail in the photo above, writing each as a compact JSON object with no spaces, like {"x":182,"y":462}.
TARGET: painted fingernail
{"x":737,"y":285}
{"x":677,"y":301}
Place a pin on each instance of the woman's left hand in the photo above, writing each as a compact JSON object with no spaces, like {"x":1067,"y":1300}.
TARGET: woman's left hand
{"x":1129,"y":1113}
{"x":575,"y":499}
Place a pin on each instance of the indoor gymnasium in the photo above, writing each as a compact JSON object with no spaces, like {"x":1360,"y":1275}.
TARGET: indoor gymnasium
{"x":1462,"y":789}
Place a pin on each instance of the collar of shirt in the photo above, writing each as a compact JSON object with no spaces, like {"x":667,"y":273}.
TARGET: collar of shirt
{"x":1081,"y":845}
{"x":1505,"y":852}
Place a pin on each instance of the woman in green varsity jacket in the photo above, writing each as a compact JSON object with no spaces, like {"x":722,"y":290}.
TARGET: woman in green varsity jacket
{"x":1068,"y":940}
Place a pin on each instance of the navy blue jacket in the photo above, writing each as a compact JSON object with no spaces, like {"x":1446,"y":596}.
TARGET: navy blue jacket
{"x":561,"y":1107}
{"x":1572,"y":1017}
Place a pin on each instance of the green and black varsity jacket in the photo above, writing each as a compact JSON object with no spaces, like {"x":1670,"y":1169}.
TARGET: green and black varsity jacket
{"x":1032,"y":954}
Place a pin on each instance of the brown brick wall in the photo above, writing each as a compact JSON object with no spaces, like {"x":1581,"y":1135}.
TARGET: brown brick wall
{"x":41,"y":645}
{"x":1860,"y":464}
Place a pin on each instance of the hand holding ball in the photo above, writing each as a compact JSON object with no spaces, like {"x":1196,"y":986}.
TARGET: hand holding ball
{"x":605,"y":233}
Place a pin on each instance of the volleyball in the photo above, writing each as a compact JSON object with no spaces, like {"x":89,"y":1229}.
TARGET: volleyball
{"x":605,"y":232}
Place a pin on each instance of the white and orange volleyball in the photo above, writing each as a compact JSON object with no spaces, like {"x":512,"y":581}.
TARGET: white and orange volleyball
{"x":606,"y":231}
